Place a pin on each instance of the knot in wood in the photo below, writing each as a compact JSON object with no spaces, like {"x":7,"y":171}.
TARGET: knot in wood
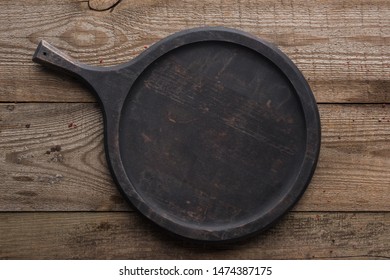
{"x":102,"y":5}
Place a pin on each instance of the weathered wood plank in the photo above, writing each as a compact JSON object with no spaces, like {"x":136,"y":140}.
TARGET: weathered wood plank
{"x":52,"y":159}
{"x":122,"y":235}
{"x":342,"y":47}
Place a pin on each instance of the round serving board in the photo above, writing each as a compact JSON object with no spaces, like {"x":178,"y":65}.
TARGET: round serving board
{"x":211,"y":133}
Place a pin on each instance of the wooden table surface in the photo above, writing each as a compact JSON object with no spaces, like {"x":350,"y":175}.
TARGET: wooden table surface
{"x":57,"y":198}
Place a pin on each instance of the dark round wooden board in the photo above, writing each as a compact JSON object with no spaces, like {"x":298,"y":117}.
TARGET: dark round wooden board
{"x":211,"y":133}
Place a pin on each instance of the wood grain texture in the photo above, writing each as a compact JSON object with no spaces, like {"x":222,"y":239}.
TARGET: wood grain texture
{"x":342,"y":47}
{"x":52,"y":159}
{"x":121,"y":235}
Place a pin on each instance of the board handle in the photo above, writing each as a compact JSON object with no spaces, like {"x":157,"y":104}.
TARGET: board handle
{"x":108,"y":83}
{"x":50,"y":56}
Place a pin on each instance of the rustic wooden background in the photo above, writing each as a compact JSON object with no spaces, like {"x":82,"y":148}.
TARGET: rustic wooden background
{"x":57,"y":199}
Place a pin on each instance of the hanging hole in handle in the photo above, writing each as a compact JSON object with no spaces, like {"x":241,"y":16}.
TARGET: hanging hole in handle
{"x":44,"y":53}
